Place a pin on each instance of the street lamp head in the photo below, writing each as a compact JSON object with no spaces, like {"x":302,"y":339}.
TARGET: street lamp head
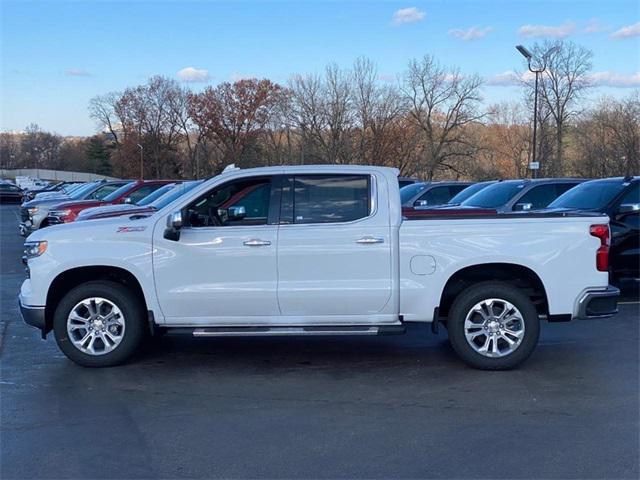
{"x":525,"y":53}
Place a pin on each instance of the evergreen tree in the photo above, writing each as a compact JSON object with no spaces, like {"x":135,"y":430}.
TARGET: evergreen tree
{"x":98,"y":156}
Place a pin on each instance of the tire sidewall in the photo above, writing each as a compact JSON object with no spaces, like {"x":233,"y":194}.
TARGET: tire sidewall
{"x":463,"y":304}
{"x":132,"y":312}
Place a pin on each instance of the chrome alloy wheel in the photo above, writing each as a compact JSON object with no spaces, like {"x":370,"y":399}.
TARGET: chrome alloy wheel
{"x":494,"y":327}
{"x":95,"y":326}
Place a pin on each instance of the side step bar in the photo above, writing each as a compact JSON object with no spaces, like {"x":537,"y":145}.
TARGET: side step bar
{"x":290,"y":331}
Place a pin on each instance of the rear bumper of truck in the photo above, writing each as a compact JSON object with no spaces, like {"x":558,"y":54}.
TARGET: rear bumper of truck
{"x":601,"y":303}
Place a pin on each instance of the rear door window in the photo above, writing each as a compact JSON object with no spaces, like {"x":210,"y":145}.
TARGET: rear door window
{"x":632,"y":196}
{"x":538,"y":197}
{"x":142,"y":192}
{"x":434,"y":196}
{"x":326,"y":199}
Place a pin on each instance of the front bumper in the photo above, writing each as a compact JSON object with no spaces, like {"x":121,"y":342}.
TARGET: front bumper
{"x":598,"y":303}
{"x":33,"y":316}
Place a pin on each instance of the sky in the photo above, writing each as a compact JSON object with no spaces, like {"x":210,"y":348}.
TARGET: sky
{"x":56,"y":55}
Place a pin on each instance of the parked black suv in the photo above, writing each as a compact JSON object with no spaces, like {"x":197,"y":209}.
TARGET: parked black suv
{"x":620,"y":199}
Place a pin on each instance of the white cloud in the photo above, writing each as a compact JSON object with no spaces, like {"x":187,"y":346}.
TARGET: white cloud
{"x":473,"y":33}
{"x":77,"y":72}
{"x":190,"y":74}
{"x":407,"y":15}
{"x":553,"y":31}
{"x":597,"y":79}
{"x":613,"y":79}
{"x":508,"y":79}
{"x":628,"y":31}
{"x":595,"y":26}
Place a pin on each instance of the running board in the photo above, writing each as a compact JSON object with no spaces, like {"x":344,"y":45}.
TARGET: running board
{"x":290,"y":331}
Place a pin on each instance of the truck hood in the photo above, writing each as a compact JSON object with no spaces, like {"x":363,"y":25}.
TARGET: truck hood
{"x":79,"y":204}
{"x":105,"y":209}
{"x":45,"y":201}
{"x":109,"y":211}
{"x":114,"y":228}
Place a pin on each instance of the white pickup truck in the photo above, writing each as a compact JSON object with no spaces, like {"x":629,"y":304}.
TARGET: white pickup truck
{"x":313,"y":250}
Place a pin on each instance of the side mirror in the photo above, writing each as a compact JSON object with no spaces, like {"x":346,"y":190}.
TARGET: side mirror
{"x":523,"y":207}
{"x":629,"y":208}
{"x":128,"y":200}
{"x":421,"y":203}
{"x":174,"y":224}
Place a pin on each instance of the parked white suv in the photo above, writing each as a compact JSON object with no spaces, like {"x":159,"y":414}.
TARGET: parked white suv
{"x":313,"y":250}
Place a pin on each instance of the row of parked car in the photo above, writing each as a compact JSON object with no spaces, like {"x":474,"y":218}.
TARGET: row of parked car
{"x":619,"y":198}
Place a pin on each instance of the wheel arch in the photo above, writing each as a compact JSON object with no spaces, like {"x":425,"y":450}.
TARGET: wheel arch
{"x":69,"y":279}
{"x":517,"y":275}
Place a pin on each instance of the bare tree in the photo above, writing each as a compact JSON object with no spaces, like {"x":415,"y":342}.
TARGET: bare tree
{"x":377,"y":107}
{"x":561,"y":87}
{"x":323,"y":114}
{"x":607,"y":138}
{"x":507,"y":135}
{"x":103,"y":110}
{"x":443,"y":102}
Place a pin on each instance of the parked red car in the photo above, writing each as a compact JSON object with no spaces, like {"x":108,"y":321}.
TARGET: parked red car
{"x":133,"y":192}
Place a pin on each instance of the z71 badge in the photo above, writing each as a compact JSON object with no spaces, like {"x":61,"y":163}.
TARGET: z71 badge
{"x":130,"y":229}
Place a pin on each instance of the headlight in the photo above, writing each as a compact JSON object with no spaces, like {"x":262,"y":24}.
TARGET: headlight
{"x":33,"y":210}
{"x":34,"y":249}
{"x":60,"y":213}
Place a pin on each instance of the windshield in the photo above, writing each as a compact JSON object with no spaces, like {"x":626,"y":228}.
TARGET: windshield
{"x":119,"y":192}
{"x":176,"y":192}
{"x":80,"y":191}
{"x":495,"y":195}
{"x":152,"y":197}
{"x":589,"y":195}
{"x":410,"y":191}
{"x":71,"y":188}
{"x":467,"y":192}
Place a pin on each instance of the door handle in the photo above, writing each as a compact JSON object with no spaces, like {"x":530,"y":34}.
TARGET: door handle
{"x":369,"y":240}
{"x":255,"y":242}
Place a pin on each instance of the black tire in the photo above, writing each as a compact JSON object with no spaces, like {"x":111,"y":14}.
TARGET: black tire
{"x":500,"y":290}
{"x":131,"y":307}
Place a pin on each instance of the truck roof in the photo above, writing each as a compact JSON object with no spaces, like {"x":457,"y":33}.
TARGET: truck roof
{"x":362,"y":169}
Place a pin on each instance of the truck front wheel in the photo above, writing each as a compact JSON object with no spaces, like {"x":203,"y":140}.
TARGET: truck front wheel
{"x":493,"y":326}
{"x":99,"y":324}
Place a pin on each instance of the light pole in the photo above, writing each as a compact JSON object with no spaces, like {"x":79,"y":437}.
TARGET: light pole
{"x":527,"y":54}
{"x":141,"y":161}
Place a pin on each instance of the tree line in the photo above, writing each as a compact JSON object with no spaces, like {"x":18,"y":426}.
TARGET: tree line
{"x":430,"y":123}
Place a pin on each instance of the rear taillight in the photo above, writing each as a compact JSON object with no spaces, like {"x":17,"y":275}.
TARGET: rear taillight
{"x":602,"y":254}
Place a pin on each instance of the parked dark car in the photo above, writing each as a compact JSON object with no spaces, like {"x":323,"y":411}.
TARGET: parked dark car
{"x":404,"y":181}
{"x":520,"y":195}
{"x":10,"y":193}
{"x":430,"y":193}
{"x":619,"y":198}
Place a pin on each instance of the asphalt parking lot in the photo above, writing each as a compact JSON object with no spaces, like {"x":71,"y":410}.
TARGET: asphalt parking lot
{"x":350,"y":407}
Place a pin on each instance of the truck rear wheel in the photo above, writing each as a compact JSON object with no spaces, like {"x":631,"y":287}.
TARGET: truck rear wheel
{"x":493,"y":326}
{"x":99,"y":324}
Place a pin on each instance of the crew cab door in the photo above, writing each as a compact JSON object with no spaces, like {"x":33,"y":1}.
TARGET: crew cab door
{"x":334,"y":247}
{"x":223,"y":266}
